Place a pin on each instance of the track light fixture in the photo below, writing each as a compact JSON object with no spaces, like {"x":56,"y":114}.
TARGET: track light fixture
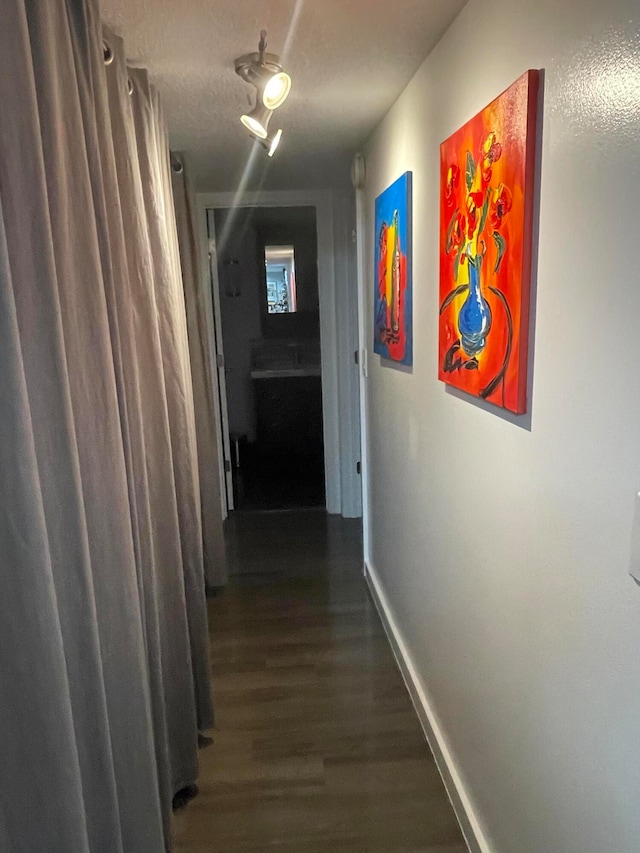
{"x":272,"y":84}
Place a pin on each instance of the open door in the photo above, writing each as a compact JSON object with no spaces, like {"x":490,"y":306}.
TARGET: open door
{"x":226,"y":473}
{"x":268,"y":292}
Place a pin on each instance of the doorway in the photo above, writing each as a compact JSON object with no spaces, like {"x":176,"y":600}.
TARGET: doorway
{"x":268,"y":298}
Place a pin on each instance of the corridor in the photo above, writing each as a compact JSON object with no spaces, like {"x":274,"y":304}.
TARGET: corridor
{"x":317,"y":746}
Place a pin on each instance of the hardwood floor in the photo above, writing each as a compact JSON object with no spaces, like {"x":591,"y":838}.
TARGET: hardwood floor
{"x":317,"y":746}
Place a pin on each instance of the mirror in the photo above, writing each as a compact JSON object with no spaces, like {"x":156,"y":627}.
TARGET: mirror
{"x":281,"y":279}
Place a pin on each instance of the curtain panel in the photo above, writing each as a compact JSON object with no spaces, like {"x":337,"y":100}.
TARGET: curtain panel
{"x":103,"y":626}
{"x":204,"y":377}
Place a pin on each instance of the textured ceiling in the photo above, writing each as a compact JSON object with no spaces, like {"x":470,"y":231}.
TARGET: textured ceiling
{"x":349,"y":60}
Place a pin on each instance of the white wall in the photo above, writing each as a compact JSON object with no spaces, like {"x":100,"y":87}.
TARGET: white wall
{"x":344,"y":224}
{"x":502,"y":543}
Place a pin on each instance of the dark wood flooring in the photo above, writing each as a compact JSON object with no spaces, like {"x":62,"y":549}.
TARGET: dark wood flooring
{"x":317,"y":746}
{"x":279,"y":478}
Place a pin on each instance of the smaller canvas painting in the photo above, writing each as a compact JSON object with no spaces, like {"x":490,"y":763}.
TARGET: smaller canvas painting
{"x":392,"y":330}
{"x":486,"y":222}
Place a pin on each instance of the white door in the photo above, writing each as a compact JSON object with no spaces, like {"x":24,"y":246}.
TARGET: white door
{"x":226,"y":471}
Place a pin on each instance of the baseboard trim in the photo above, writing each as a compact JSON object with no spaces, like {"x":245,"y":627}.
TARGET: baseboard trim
{"x":465,"y":813}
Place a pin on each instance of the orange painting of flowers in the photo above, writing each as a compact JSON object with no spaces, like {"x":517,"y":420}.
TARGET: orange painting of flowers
{"x":487,"y":171}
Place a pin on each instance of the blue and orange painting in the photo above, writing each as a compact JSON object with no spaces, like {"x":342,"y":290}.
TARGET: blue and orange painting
{"x":392,"y":326}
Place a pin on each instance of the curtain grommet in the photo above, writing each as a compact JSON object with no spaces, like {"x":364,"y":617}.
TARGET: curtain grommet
{"x":107,"y":53}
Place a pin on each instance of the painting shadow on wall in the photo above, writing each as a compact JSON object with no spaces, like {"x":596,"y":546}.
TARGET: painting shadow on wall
{"x":522,"y":421}
{"x":396,"y":365}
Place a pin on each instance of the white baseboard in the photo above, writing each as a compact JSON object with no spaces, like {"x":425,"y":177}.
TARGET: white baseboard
{"x":465,"y":813}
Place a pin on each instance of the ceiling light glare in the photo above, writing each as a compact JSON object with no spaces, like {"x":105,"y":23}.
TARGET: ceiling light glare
{"x":275,"y":141}
{"x":276,"y":90}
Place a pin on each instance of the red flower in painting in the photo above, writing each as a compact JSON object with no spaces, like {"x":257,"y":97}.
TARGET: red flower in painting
{"x":490,"y":153}
{"x":453,"y":179}
{"x":501,"y":201}
{"x":474,"y":201}
{"x":457,"y":232}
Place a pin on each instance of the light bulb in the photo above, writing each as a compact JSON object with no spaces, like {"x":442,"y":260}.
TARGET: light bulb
{"x":254,"y":126}
{"x":257,"y":121}
{"x":276,"y":90}
{"x":275,"y":141}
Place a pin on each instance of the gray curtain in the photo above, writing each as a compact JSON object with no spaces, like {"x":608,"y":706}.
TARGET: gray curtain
{"x":103,"y":630}
{"x":203,"y":377}
{"x":153,"y":160}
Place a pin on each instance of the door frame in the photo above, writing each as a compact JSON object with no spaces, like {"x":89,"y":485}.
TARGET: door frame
{"x":222,"y":413}
{"x":322,"y":201}
{"x":363,"y":363}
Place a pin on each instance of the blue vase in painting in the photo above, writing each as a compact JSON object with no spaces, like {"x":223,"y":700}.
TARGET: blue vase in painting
{"x":474,"y":317}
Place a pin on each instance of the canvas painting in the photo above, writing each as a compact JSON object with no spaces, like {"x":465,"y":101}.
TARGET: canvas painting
{"x":487,"y":171}
{"x":392,"y":295}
